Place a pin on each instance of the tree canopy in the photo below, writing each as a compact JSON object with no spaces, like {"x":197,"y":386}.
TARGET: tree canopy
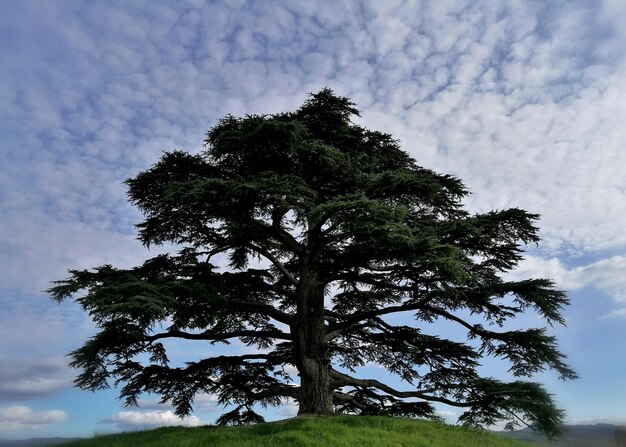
{"x":321,"y":246}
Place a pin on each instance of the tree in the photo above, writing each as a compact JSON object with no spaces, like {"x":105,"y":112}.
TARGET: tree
{"x":330,"y":231}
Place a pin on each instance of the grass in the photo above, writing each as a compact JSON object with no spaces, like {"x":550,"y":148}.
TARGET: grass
{"x":336,"y":431}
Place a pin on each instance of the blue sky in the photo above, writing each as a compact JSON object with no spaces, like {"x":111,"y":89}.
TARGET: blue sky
{"x":523,"y":100}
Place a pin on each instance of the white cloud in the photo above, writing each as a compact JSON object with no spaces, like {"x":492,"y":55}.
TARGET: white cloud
{"x":202,"y":403}
{"x":560,"y":160}
{"x":288,"y":408}
{"x":497,"y":124}
{"x":140,"y":419}
{"x":618,"y":313}
{"x":24,"y":418}
{"x":447,"y":413}
{"x":551,"y":268}
{"x":525,"y":122}
{"x":606,"y":275}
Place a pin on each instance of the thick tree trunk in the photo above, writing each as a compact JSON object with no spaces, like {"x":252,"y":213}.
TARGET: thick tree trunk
{"x":311,"y":349}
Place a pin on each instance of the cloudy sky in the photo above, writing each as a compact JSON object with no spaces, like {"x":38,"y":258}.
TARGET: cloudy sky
{"x":523,"y":100}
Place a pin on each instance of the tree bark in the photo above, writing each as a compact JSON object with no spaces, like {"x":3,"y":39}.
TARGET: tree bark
{"x":310,"y":346}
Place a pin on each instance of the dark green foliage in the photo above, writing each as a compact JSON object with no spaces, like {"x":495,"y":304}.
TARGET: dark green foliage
{"x":338,"y":212}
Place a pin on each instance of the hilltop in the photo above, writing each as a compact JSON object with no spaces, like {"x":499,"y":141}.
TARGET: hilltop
{"x":338,"y":431}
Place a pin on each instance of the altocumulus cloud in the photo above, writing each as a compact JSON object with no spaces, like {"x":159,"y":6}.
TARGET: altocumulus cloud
{"x":141,"y":419}
{"x":19,"y":417}
{"x":520,"y":99}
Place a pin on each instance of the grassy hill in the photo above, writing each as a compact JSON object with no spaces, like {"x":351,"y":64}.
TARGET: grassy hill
{"x":338,"y":431}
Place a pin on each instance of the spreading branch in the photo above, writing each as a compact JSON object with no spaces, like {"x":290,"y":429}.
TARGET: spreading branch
{"x":341,"y":379}
{"x":215,"y":336}
{"x":348,"y":321}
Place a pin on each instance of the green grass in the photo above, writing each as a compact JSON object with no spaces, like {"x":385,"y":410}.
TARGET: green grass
{"x":336,"y":431}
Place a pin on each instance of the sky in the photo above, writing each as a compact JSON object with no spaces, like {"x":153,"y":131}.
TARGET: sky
{"x":525,"y":101}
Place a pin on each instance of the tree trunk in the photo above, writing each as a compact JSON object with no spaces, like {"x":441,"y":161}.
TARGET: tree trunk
{"x":311,"y":349}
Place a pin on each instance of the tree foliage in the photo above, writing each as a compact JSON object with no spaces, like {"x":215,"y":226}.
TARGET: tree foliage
{"x":340,"y":251}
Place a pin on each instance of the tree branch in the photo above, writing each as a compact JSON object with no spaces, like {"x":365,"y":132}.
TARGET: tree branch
{"x":373,"y":282}
{"x":273,"y":230}
{"x":347,"y":398}
{"x":447,"y":315}
{"x":283,"y":235}
{"x":350,"y":320}
{"x":276,"y":263}
{"x":341,"y":379}
{"x":384,"y":268}
{"x":287,"y":391}
{"x":209,"y":335}
{"x":335,"y":333}
{"x":237,"y":359}
{"x":265,"y":309}
{"x":284,"y":292}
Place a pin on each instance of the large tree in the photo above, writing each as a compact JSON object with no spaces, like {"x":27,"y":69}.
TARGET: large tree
{"x":323,"y":246}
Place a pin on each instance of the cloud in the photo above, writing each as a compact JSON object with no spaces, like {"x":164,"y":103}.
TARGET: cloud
{"x":153,"y":405}
{"x":617,"y":313}
{"x":39,"y":327}
{"x":24,"y":418}
{"x":447,"y":413}
{"x":40,"y":253}
{"x":203,"y":403}
{"x":288,"y":408}
{"x":522,"y":115}
{"x":606,"y":275}
{"x":492,"y":94}
{"x":206,"y":403}
{"x":28,"y":378}
{"x":138,"y":419}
